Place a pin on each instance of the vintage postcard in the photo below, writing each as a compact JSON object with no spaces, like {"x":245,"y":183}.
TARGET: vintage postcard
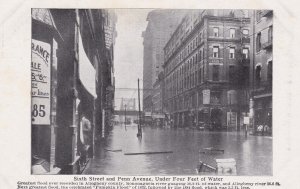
{"x":149,"y":96}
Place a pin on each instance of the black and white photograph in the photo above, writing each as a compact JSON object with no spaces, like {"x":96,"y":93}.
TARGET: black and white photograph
{"x":151,"y":92}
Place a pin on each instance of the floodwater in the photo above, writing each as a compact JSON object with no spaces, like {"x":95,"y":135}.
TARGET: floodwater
{"x":253,"y":154}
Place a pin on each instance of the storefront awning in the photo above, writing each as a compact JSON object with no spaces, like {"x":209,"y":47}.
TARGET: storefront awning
{"x":87,"y":73}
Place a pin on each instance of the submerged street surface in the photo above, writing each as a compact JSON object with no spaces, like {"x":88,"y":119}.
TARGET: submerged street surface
{"x":253,"y":154}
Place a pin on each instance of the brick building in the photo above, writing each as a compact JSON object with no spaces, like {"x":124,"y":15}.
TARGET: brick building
{"x":261,"y":69}
{"x":157,"y":94}
{"x":206,"y":70}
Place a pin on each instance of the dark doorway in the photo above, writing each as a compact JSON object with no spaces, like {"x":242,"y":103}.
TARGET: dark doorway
{"x":216,"y":119}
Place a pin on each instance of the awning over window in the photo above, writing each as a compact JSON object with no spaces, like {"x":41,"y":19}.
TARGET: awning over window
{"x":87,"y":72}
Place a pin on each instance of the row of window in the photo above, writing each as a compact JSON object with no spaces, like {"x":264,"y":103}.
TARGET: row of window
{"x":184,"y":80}
{"x":232,"y":32}
{"x":191,"y":101}
{"x":183,"y":32}
{"x":216,"y":52}
{"x":193,"y":44}
{"x":178,"y":83}
{"x":231,"y":13}
{"x":233,"y":78}
{"x":192,"y":73}
{"x":200,"y":56}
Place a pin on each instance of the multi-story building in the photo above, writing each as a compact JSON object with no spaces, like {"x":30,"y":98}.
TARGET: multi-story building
{"x":261,"y":69}
{"x":71,"y":72}
{"x":161,"y":24}
{"x":106,"y":77}
{"x":206,"y":69}
{"x":157,"y":95}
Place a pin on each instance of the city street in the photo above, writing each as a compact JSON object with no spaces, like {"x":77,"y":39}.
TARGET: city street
{"x":205,"y":69}
{"x":253,"y":154}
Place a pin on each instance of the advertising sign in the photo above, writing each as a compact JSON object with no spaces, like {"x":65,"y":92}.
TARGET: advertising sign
{"x":231,"y":119}
{"x":40,"y":82}
{"x":206,"y":96}
{"x":246,"y":120}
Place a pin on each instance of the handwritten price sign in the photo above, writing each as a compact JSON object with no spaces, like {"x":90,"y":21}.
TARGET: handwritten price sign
{"x":40,"y":82}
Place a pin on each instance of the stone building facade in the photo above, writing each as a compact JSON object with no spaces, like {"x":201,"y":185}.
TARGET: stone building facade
{"x":161,"y":24}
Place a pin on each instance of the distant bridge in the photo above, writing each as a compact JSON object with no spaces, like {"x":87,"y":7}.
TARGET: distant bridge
{"x":128,"y":112}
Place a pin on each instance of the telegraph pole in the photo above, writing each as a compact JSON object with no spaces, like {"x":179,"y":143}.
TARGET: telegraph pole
{"x":125,"y":118}
{"x":139,"y":134}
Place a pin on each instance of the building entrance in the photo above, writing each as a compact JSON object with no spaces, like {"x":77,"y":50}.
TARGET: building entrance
{"x":216,"y":119}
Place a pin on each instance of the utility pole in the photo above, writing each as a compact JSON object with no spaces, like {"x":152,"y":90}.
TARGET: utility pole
{"x":121,"y":108}
{"x":139,"y":134}
{"x":251,"y":103}
{"x":125,"y":118}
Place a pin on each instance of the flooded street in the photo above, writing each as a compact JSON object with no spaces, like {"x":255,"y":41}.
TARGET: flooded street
{"x":253,"y":154}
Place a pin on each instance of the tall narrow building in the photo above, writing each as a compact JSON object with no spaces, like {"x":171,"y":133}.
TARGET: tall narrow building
{"x":261,"y":71}
{"x":161,"y":24}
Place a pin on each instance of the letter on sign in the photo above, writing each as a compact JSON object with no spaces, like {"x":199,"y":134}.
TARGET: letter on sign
{"x":40,"y":82}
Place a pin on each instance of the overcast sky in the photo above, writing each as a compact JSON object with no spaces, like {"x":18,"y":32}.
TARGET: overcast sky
{"x":129,"y":52}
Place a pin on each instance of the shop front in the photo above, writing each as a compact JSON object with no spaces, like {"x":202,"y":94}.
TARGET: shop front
{"x":263,"y":114}
{"x":203,"y":118}
{"x":85,"y":101}
{"x":216,"y":119}
{"x":44,"y":43}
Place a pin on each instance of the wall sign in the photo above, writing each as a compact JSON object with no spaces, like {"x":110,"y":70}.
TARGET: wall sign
{"x":246,"y":120}
{"x":232,"y":119}
{"x":206,"y":96}
{"x":40,"y":82}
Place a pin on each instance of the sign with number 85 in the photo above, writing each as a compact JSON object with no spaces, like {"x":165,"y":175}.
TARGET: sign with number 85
{"x":40,"y":82}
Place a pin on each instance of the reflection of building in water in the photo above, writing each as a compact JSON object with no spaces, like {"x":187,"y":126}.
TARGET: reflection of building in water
{"x":80,"y":72}
{"x":206,"y":69}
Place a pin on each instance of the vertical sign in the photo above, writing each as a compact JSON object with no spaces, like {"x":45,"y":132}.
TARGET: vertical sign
{"x":246,"y":120}
{"x":232,"y":119}
{"x":206,"y":96}
{"x":40,"y":82}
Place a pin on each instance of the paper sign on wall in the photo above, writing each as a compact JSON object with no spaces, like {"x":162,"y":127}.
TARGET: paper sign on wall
{"x":40,"y":82}
{"x":206,"y":96}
